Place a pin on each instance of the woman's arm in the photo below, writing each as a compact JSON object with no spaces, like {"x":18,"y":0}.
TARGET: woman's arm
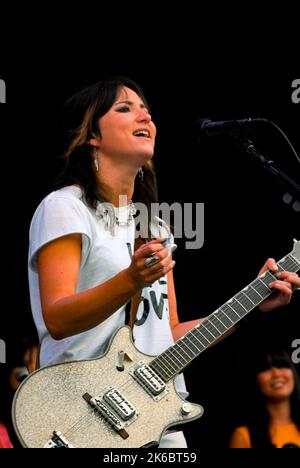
{"x":67,"y":312}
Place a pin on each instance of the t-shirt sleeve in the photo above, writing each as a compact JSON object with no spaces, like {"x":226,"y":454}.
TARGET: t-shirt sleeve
{"x":57,"y":217}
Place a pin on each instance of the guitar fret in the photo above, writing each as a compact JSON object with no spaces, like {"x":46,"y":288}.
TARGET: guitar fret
{"x":227,"y":319}
{"x":239,"y":308}
{"x":231,"y":310}
{"x":165,"y":362}
{"x":180,"y":363}
{"x":174,"y":350}
{"x":178,"y":343}
{"x":209,"y":342}
{"x":268,"y":278}
{"x":163,"y":359}
{"x":200,"y":337}
{"x":215,"y":316}
{"x":264,"y":284}
{"x":203,"y":325}
{"x":260,"y":286}
{"x":295,"y":263}
{"x":193,"y":331}
{"x":285,"y":263}
{"x":243,"y":297}
{"x":156,"y":365}
{"x":252,"y":287}
{"x":181,"y":357}
{"x":195,"y":340}
{"x":290,"y":263}
{"x":198,"y":350}
{"x":182,"y":341}
{"x":240,"y":304}
{"x":170,"y":361}
{"x":210,"y":323}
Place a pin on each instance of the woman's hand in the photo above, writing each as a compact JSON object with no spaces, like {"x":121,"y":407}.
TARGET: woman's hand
{"x":153,"y":253}
{"x":285,"y":285}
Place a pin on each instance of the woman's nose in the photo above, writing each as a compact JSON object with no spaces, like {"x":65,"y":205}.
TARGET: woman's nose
{"x":276,"y":371}
{"x":143,"y":115}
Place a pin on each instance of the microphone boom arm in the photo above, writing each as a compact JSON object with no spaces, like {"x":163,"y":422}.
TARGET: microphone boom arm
{"x":292,"y":186}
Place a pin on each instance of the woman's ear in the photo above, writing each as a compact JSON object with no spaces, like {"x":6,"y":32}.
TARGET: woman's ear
{"x":94,"y":141}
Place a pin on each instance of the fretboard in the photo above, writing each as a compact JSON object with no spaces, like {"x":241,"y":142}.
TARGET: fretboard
{"x":174,"y":360}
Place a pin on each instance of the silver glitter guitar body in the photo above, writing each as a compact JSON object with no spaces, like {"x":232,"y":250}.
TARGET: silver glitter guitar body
{"x":125,"y":399}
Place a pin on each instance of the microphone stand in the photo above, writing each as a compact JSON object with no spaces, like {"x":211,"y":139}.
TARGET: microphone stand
{"x":293,"y":194}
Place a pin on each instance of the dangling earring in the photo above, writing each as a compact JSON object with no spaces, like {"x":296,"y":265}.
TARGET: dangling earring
{"x":96,"y":159}
{"x":141,"y":174}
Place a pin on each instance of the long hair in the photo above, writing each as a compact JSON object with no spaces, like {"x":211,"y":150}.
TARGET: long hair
{"x":259,"y":419}
{"x":77,"y":122}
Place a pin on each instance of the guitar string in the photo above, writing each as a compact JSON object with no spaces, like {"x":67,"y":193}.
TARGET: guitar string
{"x":78,"y":425}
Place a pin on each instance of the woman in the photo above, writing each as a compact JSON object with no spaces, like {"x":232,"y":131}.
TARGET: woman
{"x":275,"y":406}
{"x":85,"y":264}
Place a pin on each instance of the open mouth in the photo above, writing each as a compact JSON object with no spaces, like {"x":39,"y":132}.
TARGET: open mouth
{"x":278,"y":384}
{"x":142,"y":134}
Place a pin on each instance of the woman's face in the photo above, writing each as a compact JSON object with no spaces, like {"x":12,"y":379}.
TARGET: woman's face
{"x":276,"y":383}
{"x":127,"y":130}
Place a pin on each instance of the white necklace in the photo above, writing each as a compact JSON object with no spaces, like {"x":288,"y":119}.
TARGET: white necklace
{"x":113,"y":216}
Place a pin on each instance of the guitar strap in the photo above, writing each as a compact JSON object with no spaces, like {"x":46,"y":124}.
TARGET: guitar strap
{"x":133,"y":305}
{"x":132,"y":308}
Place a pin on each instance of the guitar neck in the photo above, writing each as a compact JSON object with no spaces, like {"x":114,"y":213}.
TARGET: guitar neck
{"x":174,"y":360}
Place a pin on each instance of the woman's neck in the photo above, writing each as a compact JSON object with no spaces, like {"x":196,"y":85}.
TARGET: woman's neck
{"x":117,"y":183}
{"x":280,"y":411}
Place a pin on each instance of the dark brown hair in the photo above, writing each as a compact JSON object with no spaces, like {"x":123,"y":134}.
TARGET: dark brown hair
{"x":77,"y":122}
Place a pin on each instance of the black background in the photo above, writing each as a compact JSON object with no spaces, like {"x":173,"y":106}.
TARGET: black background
{"x":245,"y":219}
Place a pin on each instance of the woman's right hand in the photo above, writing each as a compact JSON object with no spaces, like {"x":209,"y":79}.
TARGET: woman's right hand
{"x":144,"y":275}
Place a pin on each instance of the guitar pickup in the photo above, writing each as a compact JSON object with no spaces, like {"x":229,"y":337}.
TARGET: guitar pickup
{"x":119,"y":403}
{"x":149,"y":380}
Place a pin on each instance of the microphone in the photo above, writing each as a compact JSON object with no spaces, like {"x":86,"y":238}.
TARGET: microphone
{"x":225,"y":127}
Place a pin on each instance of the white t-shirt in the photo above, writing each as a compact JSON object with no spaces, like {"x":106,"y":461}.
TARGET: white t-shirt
{"x":103,"y":256}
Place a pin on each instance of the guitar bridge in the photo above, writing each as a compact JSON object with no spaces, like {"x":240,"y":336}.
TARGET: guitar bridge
{"x":114,"y":408}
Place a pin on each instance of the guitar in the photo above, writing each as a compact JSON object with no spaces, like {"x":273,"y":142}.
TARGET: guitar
{"x":125,"y":399}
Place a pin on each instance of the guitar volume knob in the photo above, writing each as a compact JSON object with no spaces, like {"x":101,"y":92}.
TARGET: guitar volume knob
{"x":186,"y":409}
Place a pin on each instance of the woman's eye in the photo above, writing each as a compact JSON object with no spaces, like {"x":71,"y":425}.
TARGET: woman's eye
{"x":123,"y":109}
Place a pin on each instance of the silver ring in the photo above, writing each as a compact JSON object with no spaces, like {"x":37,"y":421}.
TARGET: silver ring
{"x":150,"y":261}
